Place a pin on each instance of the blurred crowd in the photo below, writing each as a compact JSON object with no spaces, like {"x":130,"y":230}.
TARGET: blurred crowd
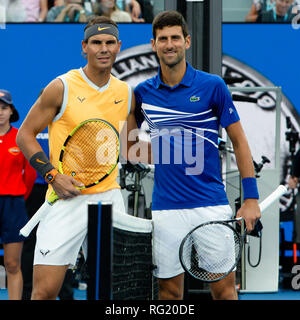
{"x":129,"y":10}
{"x":273,"y":11}
{"x":78,"y":10}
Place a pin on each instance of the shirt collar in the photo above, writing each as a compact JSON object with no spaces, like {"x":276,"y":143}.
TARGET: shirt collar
{"x":187,"y":80}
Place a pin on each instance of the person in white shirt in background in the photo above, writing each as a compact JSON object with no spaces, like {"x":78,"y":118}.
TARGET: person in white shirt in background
{"x":26,"y":10}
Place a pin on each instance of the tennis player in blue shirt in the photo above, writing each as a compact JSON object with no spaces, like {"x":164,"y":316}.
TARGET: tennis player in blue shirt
{"x":184,"y":109}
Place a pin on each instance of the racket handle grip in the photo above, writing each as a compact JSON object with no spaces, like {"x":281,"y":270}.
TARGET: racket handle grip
{"x":38,"y":216}
{"x":276,"y":194}
{"x":35,"y":219}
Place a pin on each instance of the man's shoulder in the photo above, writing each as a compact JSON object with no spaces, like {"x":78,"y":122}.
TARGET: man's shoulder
{"x":210,"y":79}
{"x":146,"y":84}
{"x":207,"y":75}
{"x":119,"y":82}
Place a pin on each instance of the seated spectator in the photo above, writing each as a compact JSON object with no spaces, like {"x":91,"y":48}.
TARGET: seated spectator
{"x":109,"y":8}
{"x":69,"y":11}
{"x":257,"y":7}
{"x":296,"y":7}
{"x":281,"y":12}
{"x":147,"y":10}
{"x":139,"y":10}
{"x":15,"y":11}
{"x":133,"y":7}
{"x":26,"y":10}
{"x":36,"y":10}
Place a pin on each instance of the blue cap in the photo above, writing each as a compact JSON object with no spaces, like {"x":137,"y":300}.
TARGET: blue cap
{"x":5,"y":96}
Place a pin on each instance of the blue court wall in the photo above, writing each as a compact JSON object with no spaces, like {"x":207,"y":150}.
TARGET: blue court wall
{"x":31,"y":55}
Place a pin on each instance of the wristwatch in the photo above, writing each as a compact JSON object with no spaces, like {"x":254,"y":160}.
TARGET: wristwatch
{"x":50,"y":176}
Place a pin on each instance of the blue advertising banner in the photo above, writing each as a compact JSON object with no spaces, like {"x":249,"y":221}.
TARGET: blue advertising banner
{"x":270,"y":49}
{"x":32,"y":55}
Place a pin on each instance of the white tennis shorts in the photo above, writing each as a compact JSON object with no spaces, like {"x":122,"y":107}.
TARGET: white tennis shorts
{"x":63,"y":231}
{"x":170,"y":227}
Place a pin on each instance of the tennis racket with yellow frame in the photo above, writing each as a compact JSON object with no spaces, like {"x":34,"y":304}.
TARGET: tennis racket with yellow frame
{"x":89,"y":154}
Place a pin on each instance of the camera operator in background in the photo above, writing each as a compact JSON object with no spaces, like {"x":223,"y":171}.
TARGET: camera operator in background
{"x":70,"y":11}
{"x":292,"y":136}
{"x":293,"y":182}
{"x":295,"y":172}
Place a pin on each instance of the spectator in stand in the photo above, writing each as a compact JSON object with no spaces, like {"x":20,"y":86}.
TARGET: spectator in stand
{"x":26,"y":10}
{"x":15,"y":11}
{"x":262,"y":6}
{"x":281,"y":12}
{"x":69,"y":11}
{"x":133,"y":7}
{"x":257,"y":7}
{"x":296,"y":7}
{"x":16,"y":181}
{"x":139,"y":10}
{"x":36,"y":10}
{"x":109,"y":9}
{"x":147,"y":10}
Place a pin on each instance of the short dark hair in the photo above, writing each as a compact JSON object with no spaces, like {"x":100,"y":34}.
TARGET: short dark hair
{"x":101,"y":19}
{"x":169,"y":18}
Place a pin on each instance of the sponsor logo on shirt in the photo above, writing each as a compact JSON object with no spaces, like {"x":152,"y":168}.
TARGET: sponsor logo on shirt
{"x":81,"y":99}
{"x":194,"y":99}
{"x":44,"y":252}
{"x":14,"y":151}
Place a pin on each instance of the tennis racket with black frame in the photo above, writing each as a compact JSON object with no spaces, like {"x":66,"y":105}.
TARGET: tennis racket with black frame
{"x":89,"y":154}
{"x":212,"y":250}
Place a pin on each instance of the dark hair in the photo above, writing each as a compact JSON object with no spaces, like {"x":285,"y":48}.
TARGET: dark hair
{"x":100,"y":19}
{"x":169,"y":18}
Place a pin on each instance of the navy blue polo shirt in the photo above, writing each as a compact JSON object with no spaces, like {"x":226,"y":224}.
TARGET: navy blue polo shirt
{"x":184,"y":122}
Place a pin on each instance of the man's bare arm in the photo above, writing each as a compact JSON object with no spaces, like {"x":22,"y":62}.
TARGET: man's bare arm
{"x":250,"y":209}
{"x":39,"y":117}
{"x":134,"y":150}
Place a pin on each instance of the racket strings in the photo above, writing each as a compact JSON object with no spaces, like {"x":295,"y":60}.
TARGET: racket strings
{"x":211,"y":251}
{"x":91,"y":153}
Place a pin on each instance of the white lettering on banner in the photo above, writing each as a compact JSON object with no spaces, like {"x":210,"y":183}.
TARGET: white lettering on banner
{"x":296,"y":19}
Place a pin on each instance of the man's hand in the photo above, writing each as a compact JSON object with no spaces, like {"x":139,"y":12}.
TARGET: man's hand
{"x":134,"y":9}
{"x":250,"y":211}
{"x":66,"y":187}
